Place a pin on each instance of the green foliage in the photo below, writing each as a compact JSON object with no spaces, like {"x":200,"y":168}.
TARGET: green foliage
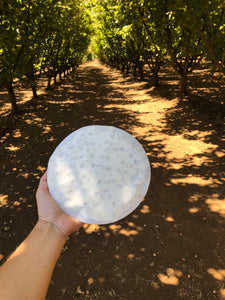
{"x":139,"y":32}
{"x":54,"y":35}
{"x":43,"y":34}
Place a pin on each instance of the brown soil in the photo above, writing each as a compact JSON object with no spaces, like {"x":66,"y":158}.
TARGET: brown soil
{"x":173,"y":245}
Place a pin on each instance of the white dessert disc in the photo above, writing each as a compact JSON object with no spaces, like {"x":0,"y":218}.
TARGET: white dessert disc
{"x":98,"y":174}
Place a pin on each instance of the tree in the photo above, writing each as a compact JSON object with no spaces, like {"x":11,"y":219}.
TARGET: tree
{"x":208,"y":21}
{"x":140,"y":32}
{"x":40,"y":34}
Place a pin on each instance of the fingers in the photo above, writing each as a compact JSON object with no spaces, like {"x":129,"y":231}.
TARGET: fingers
{"x":44,"y":177}
{"x":43,"y":184}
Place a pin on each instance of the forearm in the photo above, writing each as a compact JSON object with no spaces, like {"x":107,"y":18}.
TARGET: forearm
{"x":27,"y":273}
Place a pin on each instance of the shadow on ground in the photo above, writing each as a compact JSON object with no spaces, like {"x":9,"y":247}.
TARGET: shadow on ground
{"x":172,"y":246}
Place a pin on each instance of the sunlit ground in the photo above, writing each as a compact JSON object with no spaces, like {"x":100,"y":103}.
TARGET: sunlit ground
{"x":175,"y":238}
{"x":191,"y":148}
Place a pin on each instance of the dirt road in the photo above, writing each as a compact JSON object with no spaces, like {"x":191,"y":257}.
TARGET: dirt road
{"x":173,"y":245}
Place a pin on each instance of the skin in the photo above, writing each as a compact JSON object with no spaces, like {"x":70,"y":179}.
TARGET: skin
{"x":27,"y":272}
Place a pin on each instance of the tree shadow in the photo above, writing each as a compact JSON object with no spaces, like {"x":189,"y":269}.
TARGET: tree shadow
{"x":172,"y":245}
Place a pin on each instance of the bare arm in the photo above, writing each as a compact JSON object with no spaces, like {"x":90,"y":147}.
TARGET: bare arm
{"x":27,"y":272}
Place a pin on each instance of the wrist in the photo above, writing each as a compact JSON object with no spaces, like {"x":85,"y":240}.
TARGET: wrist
{"x":48,"y":227}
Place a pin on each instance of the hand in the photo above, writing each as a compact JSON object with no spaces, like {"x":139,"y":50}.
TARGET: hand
{"x":49,"y":210}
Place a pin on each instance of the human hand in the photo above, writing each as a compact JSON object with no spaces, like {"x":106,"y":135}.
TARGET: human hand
{"x":49,"y":210}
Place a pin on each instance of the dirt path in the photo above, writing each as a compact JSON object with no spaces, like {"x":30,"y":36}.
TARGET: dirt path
{"x":172,"y":246}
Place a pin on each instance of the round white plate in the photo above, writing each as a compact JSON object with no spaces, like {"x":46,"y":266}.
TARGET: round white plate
{"x":99,"y":174}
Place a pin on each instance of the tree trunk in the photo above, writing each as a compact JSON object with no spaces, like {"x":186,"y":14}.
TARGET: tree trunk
{"x":34,"y":89}
{"x":156,"y":78}
{"x":49,"y":82}
{"x":123,"y":67}
{"x":12,"y":98}
{"x":31,"y":78}
{"x":134,"y":70}
{"x":140,"y":70}
{"x":156,"y":73}
{"x":209,"y":48}
{"x":128,"y":69}
{"x":183,"y":83}
{"x":55,"y":81}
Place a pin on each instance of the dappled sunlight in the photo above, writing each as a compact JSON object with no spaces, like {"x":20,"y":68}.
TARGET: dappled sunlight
{"x":41,"y":169}
{"x":179,"y":224}
{"x":220,"y":153}
{"x":194,"y":198}
{"x":24,"y":96}
{"x":3,"y":200}
{"x":46,"y":129}
{"x":181,"y":150}
{"x":90,"y":228}
{"x":64,"y":85}
{"x":17,"y":133}
{"x":198,"y":180}
{"x":145,"y":209}
{"x":218,"y":274}
{"x":135,"y":216}
{"x":34,"y":120}
{"x":171,"y":277}
{"x":178,"y":147}
{"x":27,"y":175}
{"x":90,"y":280}
{"x":24,"y":174}
{"x":128,"y":231}
{"x":51,"y":139}
{"x":170,"y":219}
{"x":132,"y":230}
{"x":222,"y":294}
{"x":12,"y":148}
{"x":115,"y":228}
{"x":216,"y":204}
{"x":191,"y":148}
{"x":64,"y":102}
{"x":131,"y":256}
{"x":23,"y":93}
{"x":193,"y":210}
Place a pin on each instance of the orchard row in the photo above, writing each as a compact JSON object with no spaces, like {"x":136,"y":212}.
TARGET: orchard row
{"x":48,"y":36}
{"x":134,"y":33}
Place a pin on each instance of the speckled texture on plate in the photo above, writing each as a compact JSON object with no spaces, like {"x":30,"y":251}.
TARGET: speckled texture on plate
{"x":98,"y":174}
